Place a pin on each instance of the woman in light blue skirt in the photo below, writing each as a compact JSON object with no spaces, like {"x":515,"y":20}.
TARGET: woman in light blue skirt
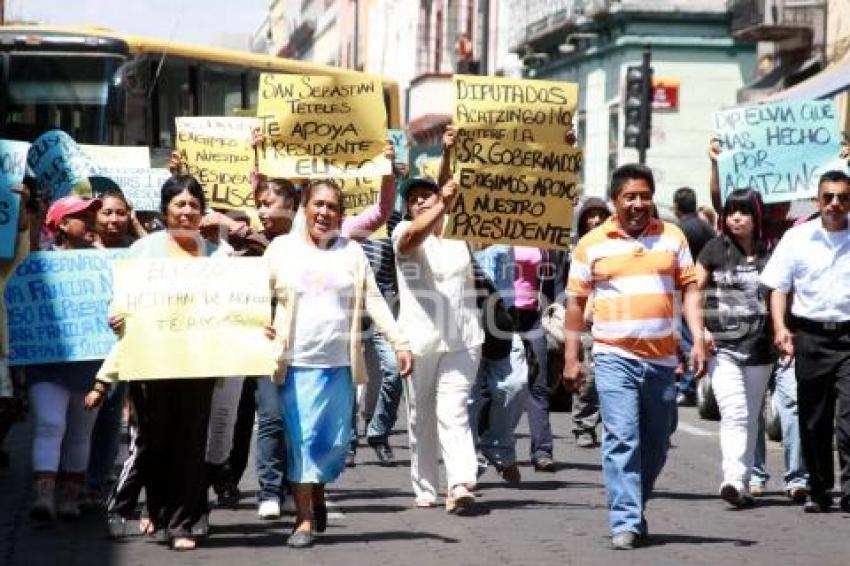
{"x":322,"y":283}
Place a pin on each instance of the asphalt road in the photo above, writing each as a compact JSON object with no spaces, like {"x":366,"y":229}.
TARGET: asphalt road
{"x":551,"y":518}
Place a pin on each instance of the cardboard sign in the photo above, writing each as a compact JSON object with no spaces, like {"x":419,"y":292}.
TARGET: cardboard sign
{"x":358,"y":195}
{"x":202,"y":317}
{"x":322,"y":126}
{"x":141,"y":186}
{"x":13,"y":164}
{"x":218,"y":153}
{"x":399,"y":139}
{"x":60,"y":165}
{"x":112,"y":156}
{"x":780,"y":150}
{"x":518,"y":178}
{"x":57,"y":304}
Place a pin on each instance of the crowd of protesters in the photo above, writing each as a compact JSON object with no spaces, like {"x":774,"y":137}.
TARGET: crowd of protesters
{"x":469,"y":335}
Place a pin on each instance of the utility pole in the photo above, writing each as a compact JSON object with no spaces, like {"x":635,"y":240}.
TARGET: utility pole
{"x":646,"y":115}
{"x":483,"y":63}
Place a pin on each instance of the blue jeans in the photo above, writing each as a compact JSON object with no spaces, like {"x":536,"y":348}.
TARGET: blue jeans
{"x":537,"y":404}
{"x":506,"y":380}
{"x":106,"y":437}
{"x":271,"y":453}
{"x":389,"y":395}
{"x":636,"y":401}
{"x":785,"y":403}
{"x":687,"y":383}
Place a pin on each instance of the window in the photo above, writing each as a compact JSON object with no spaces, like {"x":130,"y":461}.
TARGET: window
{"x":221,"y":92}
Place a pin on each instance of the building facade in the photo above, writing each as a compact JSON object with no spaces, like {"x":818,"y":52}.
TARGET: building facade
{"x":696,"y":62}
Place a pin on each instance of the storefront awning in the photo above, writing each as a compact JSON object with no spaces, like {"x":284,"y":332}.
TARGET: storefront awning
{"x":829,"y":82}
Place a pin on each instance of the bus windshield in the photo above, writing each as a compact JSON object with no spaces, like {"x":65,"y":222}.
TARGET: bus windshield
{"x":58,"y":90}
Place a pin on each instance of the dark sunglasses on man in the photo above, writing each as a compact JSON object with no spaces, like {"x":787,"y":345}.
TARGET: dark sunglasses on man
{"x":827,"y":198}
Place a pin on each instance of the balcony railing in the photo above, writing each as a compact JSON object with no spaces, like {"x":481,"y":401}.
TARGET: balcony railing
{"x":776,"y":20}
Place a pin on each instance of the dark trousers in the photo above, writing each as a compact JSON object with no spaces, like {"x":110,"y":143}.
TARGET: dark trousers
{"x":172,"y":444}
{"x":823,"y":395}
{"x":243,"y":430}
{"x":528,"y":324}
{"x":125,"y":493}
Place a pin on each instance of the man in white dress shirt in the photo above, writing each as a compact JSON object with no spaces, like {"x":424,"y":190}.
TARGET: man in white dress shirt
{"x":811,"y":264}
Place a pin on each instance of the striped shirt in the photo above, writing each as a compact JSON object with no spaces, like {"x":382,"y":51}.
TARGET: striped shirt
{"x":633,"y":282}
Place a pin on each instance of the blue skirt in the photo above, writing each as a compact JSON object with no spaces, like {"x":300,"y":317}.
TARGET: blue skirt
{"x":317,"y":404}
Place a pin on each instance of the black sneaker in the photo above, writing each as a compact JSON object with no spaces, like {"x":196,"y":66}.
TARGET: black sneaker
{"x":813,"y":505}
{"x":544,"y":464}
{"x":228,"y":494}
{"x":384,"y":454}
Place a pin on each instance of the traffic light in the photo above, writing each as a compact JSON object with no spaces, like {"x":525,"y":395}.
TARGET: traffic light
{"x":638,"y":106}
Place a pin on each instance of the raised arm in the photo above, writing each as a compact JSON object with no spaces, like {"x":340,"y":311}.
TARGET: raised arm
{"x":714,"y":182}
{"x":360,"y":226}
{"x":427,"y":222}
{"x":449,"y":138}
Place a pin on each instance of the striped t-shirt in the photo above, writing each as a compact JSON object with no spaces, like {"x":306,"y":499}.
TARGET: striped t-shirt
{"x":633,"y":282}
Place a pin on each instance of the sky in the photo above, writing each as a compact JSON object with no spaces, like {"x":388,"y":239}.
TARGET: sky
{"x":188,"y":21}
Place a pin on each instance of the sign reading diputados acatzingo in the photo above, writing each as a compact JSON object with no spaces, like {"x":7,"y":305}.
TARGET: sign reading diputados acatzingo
{"x":518,"y":176}
{"x":780,"y":150}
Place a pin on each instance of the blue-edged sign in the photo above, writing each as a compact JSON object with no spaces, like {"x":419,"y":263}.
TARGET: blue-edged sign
{"x":60,"y":165}
{"x":57,"y":304}
{"x":780,"y":149}
{"x":13,"y":164}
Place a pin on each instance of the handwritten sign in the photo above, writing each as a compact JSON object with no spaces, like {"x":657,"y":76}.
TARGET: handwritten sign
{"x":13,"y":164}
{"x":124,"y":156}
{"x":780,"y":150}
{"x":141,"y":186}
{"x":322,"y":126}
{"x":399,"y":139}
{"x":518,"y":178}
{"x":57,"y":305}
{"x":60,"y":165}
{"x":218,"y":153}
{"x":358,"y":194}
{"x":203,"y":318}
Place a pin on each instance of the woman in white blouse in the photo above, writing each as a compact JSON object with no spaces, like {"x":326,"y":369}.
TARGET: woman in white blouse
{"x":438,"y":312}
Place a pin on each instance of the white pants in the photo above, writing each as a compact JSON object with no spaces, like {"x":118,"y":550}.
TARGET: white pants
{"x":438,"y":420}
{"x":223,"y":410}
{"x":739,"y":391}
{"x":63,"y":429}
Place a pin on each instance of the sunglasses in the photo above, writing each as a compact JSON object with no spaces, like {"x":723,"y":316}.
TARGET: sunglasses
{"x":827,"y":198}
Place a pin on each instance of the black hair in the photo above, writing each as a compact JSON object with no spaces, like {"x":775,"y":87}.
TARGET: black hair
{"x":281,"y":187}
{"x":628,"y":172}
{"x":685,"y":200}
{"x":114,"y":193}
{"x":176,"y":185}
{"x":307,"y":193}
{"x":749,"y":202}
{"x":833,"y":176}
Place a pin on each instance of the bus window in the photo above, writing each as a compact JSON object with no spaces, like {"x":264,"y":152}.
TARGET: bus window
{"x":58,"y":90}
{"x":174,"y":97}
{"x":221,"y":93}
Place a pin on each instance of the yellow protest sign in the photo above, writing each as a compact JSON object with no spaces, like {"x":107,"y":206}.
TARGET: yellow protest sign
{"x":192,"y":318}
{"x":218,"y":153}
{"x":518,"y":177}
{"x":322,"y":126}
{"x":358,"y":194}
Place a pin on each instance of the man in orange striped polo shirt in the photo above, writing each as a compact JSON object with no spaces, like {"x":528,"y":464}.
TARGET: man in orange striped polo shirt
{"x":633,"y":265}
